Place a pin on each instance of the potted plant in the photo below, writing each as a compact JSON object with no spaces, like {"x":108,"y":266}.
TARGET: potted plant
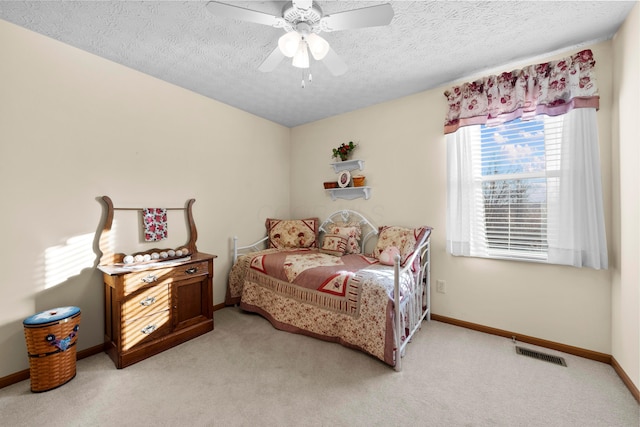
{"x":344,"y":150}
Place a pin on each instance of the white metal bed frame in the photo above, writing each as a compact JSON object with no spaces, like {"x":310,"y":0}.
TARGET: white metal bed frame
{"x":420,"y":303}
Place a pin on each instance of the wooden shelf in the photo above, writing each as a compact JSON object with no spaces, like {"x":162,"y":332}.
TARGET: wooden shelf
{"x":348,"y":165}
{"x":349,"y":193}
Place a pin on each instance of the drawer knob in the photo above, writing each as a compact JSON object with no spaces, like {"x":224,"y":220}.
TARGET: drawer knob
{"x":149,"y":279}
{"x":191,"y":270}
{"x":148,"y":329}
{"x":147,"y":301}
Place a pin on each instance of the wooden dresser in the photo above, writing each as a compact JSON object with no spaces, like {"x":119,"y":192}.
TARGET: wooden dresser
{"x":151,"y":306}
{"x":148,"y":311}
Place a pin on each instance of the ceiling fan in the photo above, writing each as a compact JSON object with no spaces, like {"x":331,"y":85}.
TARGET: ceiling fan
{"x":302,"y":21}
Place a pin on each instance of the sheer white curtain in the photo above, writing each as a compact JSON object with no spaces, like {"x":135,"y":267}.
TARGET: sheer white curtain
{"x":576,"y":231}
{"x":463,"y":188}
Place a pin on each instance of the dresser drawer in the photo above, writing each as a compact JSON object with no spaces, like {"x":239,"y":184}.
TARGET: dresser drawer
{"x":146,"y":328}
{"x":137,"y":280}
{"x":190,"y":270}
{"x":149,"y":301}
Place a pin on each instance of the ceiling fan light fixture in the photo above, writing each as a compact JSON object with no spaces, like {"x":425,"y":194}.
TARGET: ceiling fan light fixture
{"x":318,"y":46}
{"x":301,"y":58}
{"x":302,"y":20}
{"x":289,"y":43}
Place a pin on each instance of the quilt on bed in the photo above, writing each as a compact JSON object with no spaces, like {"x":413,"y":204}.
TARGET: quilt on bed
{"x":347,"y":299}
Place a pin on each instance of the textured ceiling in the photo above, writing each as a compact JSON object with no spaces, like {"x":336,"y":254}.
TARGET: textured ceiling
{"x":427,"y":44}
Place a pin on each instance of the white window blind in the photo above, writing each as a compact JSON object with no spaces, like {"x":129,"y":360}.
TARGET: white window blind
{"x":517,"y":167}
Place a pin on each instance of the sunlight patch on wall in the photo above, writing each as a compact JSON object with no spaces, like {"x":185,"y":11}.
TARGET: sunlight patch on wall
{"x":68,"y":260}
{"x":107,"y":243}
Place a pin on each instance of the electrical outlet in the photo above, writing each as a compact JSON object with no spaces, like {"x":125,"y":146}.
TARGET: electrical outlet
{"x":441,"y":286}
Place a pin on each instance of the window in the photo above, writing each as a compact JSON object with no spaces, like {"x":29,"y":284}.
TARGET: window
{"x":519,"y":166}
{"x":527,"y":190}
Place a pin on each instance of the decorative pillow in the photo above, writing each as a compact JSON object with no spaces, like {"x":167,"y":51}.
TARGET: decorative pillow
{"x":334,"y":244}
{"x":295,"y":233}
{"x":388,"y":256}
{"x":351,"y":232}
{"x":405,"y":239}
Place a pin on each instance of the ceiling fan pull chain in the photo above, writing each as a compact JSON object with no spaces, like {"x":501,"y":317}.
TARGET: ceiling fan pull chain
{"x":310,"y":79}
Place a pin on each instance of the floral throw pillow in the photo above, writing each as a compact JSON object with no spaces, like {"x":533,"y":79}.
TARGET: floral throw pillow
{"x":405,"y":239}
{"x":351,"y":232}
{"x":295,"y":233}
{"x":334,"y":244}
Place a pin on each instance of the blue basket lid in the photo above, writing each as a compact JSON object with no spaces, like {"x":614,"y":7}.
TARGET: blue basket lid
{"x":51,"y":315}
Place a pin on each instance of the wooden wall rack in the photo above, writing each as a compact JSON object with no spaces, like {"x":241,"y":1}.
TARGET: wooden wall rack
{"x":108,"y":257}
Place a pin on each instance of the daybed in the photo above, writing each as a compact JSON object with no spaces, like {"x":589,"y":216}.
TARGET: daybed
{"x":335,"y":281}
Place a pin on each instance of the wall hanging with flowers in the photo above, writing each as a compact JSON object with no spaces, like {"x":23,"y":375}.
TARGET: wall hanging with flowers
{"x":344,"y":150}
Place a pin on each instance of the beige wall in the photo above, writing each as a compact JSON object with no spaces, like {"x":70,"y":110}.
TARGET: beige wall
{"x":74,"y":127}
{"x":403,"y":147}
{"x":625,"y":332}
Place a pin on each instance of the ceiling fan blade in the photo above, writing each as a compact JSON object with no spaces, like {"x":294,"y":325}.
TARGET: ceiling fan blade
{"x":272,"y":61}
{"x":302,"y":4}
{"x":224,"y":10}
{"x":334,"y":63}
{"x":358,"y":18}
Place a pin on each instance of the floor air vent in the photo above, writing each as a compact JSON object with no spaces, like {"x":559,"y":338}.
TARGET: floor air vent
{"x":541,"y":356}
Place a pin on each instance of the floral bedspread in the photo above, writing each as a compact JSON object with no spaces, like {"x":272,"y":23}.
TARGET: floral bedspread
{"x":344,"y":299}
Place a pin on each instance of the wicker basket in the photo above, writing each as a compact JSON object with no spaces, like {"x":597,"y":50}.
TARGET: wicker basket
{"x":51,"y":343}
{"x":358,"y":181}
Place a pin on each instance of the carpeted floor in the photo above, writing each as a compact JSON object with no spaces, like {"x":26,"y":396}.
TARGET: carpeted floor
{"x":246,"y":373}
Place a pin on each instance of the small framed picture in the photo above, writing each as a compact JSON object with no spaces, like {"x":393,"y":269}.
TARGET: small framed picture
{"x":344,"y":179}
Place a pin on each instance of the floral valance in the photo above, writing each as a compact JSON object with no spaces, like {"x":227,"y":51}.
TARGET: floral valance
{"x":552,"y":88}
